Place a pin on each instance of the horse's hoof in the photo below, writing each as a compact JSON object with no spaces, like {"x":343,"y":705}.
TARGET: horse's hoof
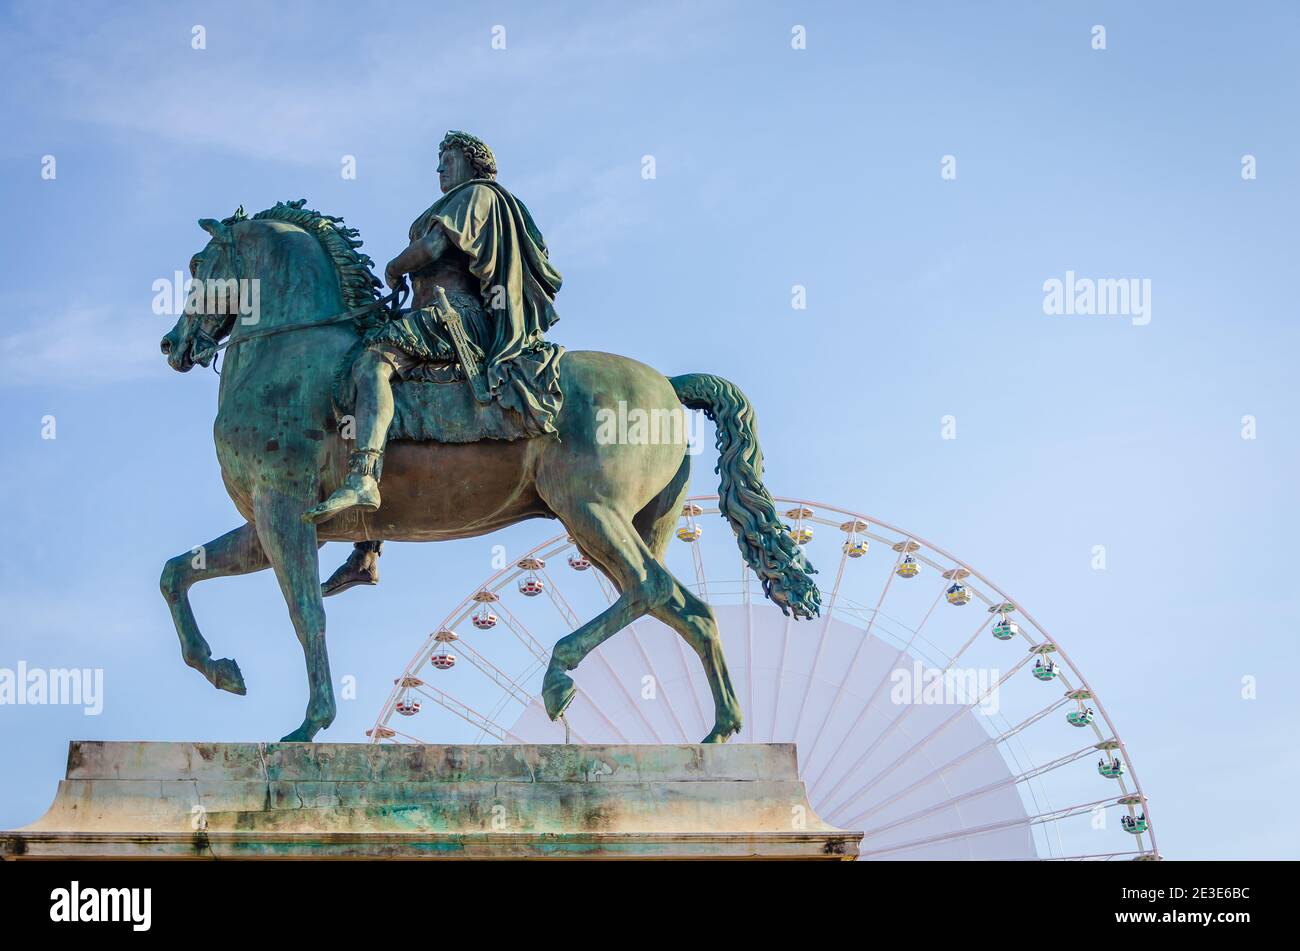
{"x":304,"y":734}
{"x":227,"y":676}
{"x":558,"y":691}
{"x":722,"y":731}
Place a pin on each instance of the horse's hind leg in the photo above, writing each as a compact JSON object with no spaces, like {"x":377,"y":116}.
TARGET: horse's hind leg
{"x":291,"y":544}
{"x":645,"y":587}
{"x":693,"y":620}
{"x":685,"y":613}
{"x":237,"y":552}
{"x":656,"y":522}
{"x":611,"y":541}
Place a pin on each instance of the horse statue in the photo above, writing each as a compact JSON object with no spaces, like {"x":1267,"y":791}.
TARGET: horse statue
{"x":281,"y":452}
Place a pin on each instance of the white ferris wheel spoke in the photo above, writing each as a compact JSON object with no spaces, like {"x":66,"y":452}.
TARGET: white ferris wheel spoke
{"x":776,"y":694}
{"x":902,"y":652}
{"x":532,"y":670}
{"x":535,"y":647}
{"x":1095,"y":857}
{"x":557,"y":599}
{"x":917,"y":747}
{"x":889,"y":727}
{"x":973,"y":793}
{"x":991,"y":742}
{"x":494,"y":673}
{"x":522,"y":634}
{"x":464,"y":711}
{"x":1052,"y":816}
{"x":848,"y":670}
{"x":701,"y":580}
{"x":659,"y":686}
{"x":821,"y":641}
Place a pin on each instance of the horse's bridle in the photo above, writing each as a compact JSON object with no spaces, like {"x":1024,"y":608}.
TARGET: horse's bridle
{"x":209,"y":338}
{"x":206,"y":344}
{"x":393,"y":299}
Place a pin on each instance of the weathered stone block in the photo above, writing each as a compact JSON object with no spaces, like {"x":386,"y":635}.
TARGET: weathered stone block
{"x":330,"y":800}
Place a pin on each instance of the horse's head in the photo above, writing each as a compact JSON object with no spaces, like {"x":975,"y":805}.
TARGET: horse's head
{"x":307,"y":262}
{"x":212,"y":304}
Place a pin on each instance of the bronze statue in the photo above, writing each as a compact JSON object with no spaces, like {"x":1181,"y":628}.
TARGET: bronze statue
{"x":478,"y":249}
{"x":460,"y":458}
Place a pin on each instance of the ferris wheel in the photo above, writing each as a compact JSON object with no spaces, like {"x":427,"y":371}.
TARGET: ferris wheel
{"x":929,"y":709}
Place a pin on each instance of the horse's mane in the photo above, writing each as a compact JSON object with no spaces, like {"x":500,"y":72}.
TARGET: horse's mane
{"x":358,"y":284}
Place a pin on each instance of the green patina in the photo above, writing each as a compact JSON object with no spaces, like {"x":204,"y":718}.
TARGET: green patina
{"x":282,"y":453}
{"x":324,"y":800}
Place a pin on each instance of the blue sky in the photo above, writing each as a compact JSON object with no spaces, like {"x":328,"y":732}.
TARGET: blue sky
{"x":775,"y":167}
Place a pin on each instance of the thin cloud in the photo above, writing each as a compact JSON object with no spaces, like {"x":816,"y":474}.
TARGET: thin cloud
{"x":87,"y":346}
{"x":248,"y":94}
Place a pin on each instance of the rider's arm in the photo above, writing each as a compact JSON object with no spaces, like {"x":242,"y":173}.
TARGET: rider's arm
{"x":419,"y":253}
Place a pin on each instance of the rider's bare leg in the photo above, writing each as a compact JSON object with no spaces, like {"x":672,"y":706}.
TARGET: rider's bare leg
{"x":372,"y":373}
{"x":362,"y":567}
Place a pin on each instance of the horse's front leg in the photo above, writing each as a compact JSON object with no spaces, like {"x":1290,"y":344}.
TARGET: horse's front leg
{"x":291,"y":545}
{"x":235,"y":553}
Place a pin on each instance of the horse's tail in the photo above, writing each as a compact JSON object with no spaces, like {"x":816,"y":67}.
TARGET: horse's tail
{"x":764,"y":543}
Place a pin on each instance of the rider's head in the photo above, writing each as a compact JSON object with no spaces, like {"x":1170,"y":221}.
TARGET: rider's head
{"x":462,"y":157}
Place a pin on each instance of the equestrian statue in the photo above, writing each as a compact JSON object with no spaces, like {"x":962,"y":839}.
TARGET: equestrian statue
{"x":342,"y":416}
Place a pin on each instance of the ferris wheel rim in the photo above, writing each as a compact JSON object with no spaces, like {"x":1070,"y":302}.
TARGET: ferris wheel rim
{"x":562,"y":540}
{"x":1114,"y":732}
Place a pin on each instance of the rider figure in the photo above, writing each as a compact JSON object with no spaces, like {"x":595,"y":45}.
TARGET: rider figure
{"x":478,"y":243}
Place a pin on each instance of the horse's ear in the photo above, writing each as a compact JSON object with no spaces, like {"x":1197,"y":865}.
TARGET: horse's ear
{"x":214,"y":227}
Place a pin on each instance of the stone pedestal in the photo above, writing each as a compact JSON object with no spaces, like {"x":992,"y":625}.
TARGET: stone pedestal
{"x":350,"y":801}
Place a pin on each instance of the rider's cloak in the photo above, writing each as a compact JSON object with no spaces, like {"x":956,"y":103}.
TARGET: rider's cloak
{"x":518,"y":285}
